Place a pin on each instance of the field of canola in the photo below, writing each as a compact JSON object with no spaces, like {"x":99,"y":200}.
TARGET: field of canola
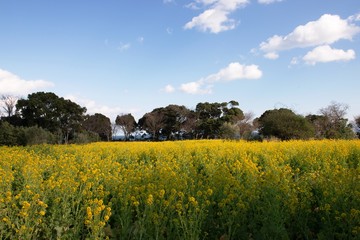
{"x":181,"y":190}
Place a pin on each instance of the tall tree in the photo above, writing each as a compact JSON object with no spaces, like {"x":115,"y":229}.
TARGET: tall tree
{"x":99,"y":124}
{"x":231,"y":112}
{"x":170,"y":121}
{"x":212,"y":116}
{"x":71,"y":117}
{"x":56,"y":114}
{"x":335,"y":124}
{"x":175,"y":120}
{"x":209,"y":123}
{"x":285,"y":124}
{"x":189,"y":126}
{"x":127,"y":124}
{"x":319,"y":123}
{"x":153,"y":122}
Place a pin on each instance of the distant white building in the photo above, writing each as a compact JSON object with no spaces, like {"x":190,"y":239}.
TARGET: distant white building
{"x":138,"y":135}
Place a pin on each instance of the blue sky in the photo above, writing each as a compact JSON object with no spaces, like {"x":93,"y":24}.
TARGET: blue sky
{"x":132,"y":56}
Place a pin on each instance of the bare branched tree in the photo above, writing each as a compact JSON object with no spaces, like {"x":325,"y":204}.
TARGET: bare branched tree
{"x":335,"y":123}
{"x":245,"y":125}
{"x":335,"y":111}
{"x":8,"y":104}
{"x":114,"y":129}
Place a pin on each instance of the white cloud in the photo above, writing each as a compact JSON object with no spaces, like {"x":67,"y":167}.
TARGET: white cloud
{"x":13,"y":84}
{"x":230,"y":5}
{"x":168,"y":1}
{"x":271,"y":55}
{"x":196,"y":88}
{"x":93,"y":107}
{"x":234,"y":71}
{"x":327,"y":54}
{"x":124,"y":46}
{"x":212,"y":20}
{"x":268,"y":1}
{"x":326,"y":30}
{"x":215,"y":18}
{"x":169,"y":89}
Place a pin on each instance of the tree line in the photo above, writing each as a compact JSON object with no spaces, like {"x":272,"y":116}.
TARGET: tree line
{"x":44,"y":117}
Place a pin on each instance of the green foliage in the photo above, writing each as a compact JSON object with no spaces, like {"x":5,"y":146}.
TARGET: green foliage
{"x":175,"y":118}
{"x":285,"y":124}
{"x":98,"y":124}
{"x":229,"y":131}
{"x":334,"y":123}
{"x":37,"y":135}
{"x":168,"y":121}
{"x":153,"y":122}
{"x":12,"y":136}
{"x":47,"y":118}
{"x":51,"y":112}
{"x":127,"y":124}
{"x":212,"y":116}
{"x":319,"y":123}
{"x":85,"y":137}
{"x":327,"y":128}
{"x":8,"y":134}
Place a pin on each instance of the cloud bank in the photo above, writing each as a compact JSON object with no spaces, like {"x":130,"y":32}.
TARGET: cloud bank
{"x":14,"y":85}
{"x":321,"y":33}
{"x":326,"y":30}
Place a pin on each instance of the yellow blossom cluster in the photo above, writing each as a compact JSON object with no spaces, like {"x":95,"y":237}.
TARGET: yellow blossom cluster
{"x":207,"y":189}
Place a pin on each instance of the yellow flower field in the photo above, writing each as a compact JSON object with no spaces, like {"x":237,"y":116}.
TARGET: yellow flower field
{"x":181,"y":190}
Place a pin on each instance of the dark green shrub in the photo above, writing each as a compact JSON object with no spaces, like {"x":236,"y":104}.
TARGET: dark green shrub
{"x":37,"y":135}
